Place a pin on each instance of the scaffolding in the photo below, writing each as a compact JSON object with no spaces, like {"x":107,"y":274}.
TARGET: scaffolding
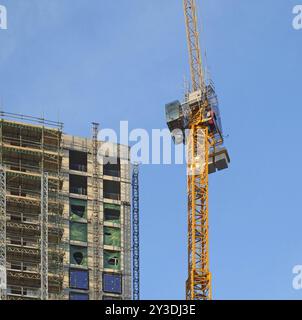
{"x":31,"y":152}
{"x":96,"y":214}
{"x":135,"y":226}
{"x":33,"y":181}
{"x":44,"y":236}
{"x":2,"y":234}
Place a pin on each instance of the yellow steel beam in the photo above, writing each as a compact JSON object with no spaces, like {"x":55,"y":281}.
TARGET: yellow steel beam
{"x":197,"y":76}
{"x":199,"y":277}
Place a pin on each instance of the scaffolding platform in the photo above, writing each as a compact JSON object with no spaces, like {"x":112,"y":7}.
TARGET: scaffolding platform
{"x":29,"y":148}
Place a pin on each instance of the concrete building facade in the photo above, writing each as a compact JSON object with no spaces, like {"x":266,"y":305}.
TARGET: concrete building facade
{"x":65,"y":229}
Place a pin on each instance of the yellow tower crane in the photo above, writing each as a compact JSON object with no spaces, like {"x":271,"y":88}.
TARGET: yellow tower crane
{"x":196,"y":122}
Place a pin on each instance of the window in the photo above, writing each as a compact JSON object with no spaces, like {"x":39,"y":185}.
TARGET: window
{"x":112,"y":167}
{"x":112,"y":236}
{"x":112,"y":260}
{"x":78,"y":231}
{"x":16,"y":217}
{"x":112,"y":213}
{"x":78,"y":161}
{"x":78,"y":209}
{"x":78,"y":184}
{"x":78,"y":279}
{"x":16,"y":266}
{"x":112,"y":190}
{"x":17,"y":290}
{"x":111,"y":298}
{"x":112,"y":283}
{"x":78,"y":256}
{"x":78,"y":296}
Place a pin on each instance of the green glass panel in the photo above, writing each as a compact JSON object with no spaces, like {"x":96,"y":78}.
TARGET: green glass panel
{"x":78,"y":231}
{"x":78,"y":209}
{"x":112,"y":260}
{"x":78,"y":255}
{"x":112,"y":206}
{"x":112,"y":236}
{"x":112,"y":213}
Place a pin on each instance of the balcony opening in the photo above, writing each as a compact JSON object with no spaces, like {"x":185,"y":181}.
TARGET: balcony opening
{"x":78,"y":161}
{"x":78,"y":184}
{"x":112,"y":167}
{"x":112,"y":190}
{"x":112,"y":213}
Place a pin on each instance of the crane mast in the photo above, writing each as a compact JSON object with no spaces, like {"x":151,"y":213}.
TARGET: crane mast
{"x":196,"y":122}
{"x":198,"y":286}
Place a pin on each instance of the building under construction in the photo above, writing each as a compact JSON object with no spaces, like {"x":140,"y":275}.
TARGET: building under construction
{"x":65,"y":228}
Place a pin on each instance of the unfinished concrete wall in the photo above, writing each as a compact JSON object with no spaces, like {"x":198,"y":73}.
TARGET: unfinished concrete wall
{"x":115,"y":259}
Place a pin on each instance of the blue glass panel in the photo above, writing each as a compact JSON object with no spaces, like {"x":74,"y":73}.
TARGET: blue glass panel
{"x":112,"y":283}
{"x":79,"y":279}
{"x":78,"y":296}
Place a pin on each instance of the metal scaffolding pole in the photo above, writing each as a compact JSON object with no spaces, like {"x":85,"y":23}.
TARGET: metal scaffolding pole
{"x":44,"y":236}
{"x":3,"y":280}
{"x":135,"y":235}
{"x":96,"y":215}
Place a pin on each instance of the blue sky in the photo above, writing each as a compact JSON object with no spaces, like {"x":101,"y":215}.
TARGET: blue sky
{"x":81,"y":61}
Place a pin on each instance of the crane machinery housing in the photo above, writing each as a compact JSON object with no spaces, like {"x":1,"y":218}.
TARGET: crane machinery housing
{"x":196,"y":122}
